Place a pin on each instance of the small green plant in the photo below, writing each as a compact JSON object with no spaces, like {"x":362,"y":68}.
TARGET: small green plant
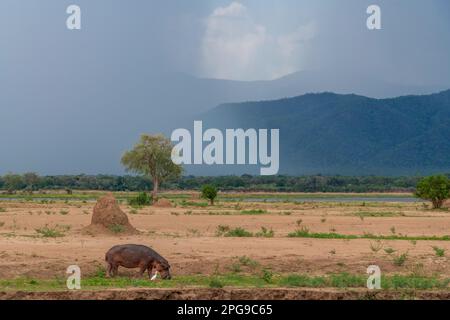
{"x":393,"y":231}
{"x":299,"y":222}
{"x":116,"y":228}
{"x":400,"y":260}
{"x":247,"y":262}
{"x":2,"y":223}
{"x":100,"y":272}
{"x":389,"y":250}
{"x":377,"y":246}
{"x":49,"y":232}
{"x":221,"y":230}
{"x":265,"y":233}
{"x":63,"y":212}
{"x":209,"y":192}
{"x":333,"y":251}
{"x":2,"y":209}
{"x":267,"y":275}
{"x":134,"y":211}
{"x":215,"y":283}
{"x":323,"y":220}
{"x":173,"y":213}
{"x":238,"y":233}
{"x":440,"y":252}
{"x":235,"y":268}
{"x":299,"y":233}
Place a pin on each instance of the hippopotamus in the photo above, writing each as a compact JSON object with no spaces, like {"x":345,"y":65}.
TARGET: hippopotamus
{"x":136,"y":256}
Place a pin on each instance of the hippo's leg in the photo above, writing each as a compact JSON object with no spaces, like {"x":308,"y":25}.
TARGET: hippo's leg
{"x":142,"y":268}
{"x":149,"y":271}
{"x":108,"y":270}
{"x":115,"y":269}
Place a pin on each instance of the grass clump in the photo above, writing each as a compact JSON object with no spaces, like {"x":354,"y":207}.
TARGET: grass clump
{"x":439,"y":252}
{"x":116,"y":228}
{"x":221,"y":230}
{"x":253,"y":212}
{"x":400,"y":259}
{"x":238,"y":233}
{"x":185,"y":203}
{"x":2,"y":209}
{"x":389,"y":250}
{"x":265,"y":233}
{"x":215,"y":283}
{"x":377,"y":246}
{"x":50,"y":232}
{"x":247,"y":262}
{"x":63,"y":212}
{"x":377,"y":214}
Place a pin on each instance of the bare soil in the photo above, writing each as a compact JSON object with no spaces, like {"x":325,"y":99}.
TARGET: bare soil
{"x":186,"y":236}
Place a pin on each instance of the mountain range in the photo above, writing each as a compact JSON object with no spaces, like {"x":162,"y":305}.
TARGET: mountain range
{"x":74,"y":126}
{"x":349,"y":134}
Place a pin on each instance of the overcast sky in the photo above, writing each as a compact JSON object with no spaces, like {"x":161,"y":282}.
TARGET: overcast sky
{"x":240,"y":40}
{"x":55,"y":83}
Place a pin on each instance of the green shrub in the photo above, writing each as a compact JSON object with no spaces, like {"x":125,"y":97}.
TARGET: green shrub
{"x":209,"y":192}
{"x":142,"y":199}
{"x":116,"y":228}
{"x":435,"y":189}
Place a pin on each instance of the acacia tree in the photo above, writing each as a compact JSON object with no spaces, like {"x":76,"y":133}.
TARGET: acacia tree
{"x":152,"y":156}
{"x":435,"y":189}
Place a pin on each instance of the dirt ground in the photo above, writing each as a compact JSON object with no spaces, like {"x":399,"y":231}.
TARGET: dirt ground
{"x":186,"y":236}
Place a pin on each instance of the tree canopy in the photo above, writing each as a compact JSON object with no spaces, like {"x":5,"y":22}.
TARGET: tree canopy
{"x":151,"y":156}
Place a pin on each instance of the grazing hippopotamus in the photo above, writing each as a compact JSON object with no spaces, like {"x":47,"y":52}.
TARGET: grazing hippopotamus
{"x":134,"y":256}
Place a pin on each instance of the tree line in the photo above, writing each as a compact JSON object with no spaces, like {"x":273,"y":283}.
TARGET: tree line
{"x":280,"y":183}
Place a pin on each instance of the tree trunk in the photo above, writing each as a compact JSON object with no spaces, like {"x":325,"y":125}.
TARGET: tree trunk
{"x":155,"y":189}
{"x":437,"y":203}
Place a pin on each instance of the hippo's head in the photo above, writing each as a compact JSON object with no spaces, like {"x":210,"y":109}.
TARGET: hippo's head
{"x":163,"y":268}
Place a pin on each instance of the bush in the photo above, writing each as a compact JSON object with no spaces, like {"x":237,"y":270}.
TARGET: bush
{"x":209,"y":192}
{"x":435,"y":189}
{"x":142,"y":199}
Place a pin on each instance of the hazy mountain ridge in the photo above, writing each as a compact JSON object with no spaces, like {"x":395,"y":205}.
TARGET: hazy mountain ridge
{"x":349,"y":134}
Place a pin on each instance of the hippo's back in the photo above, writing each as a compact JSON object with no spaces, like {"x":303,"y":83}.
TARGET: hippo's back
{"x":132,"y":252}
